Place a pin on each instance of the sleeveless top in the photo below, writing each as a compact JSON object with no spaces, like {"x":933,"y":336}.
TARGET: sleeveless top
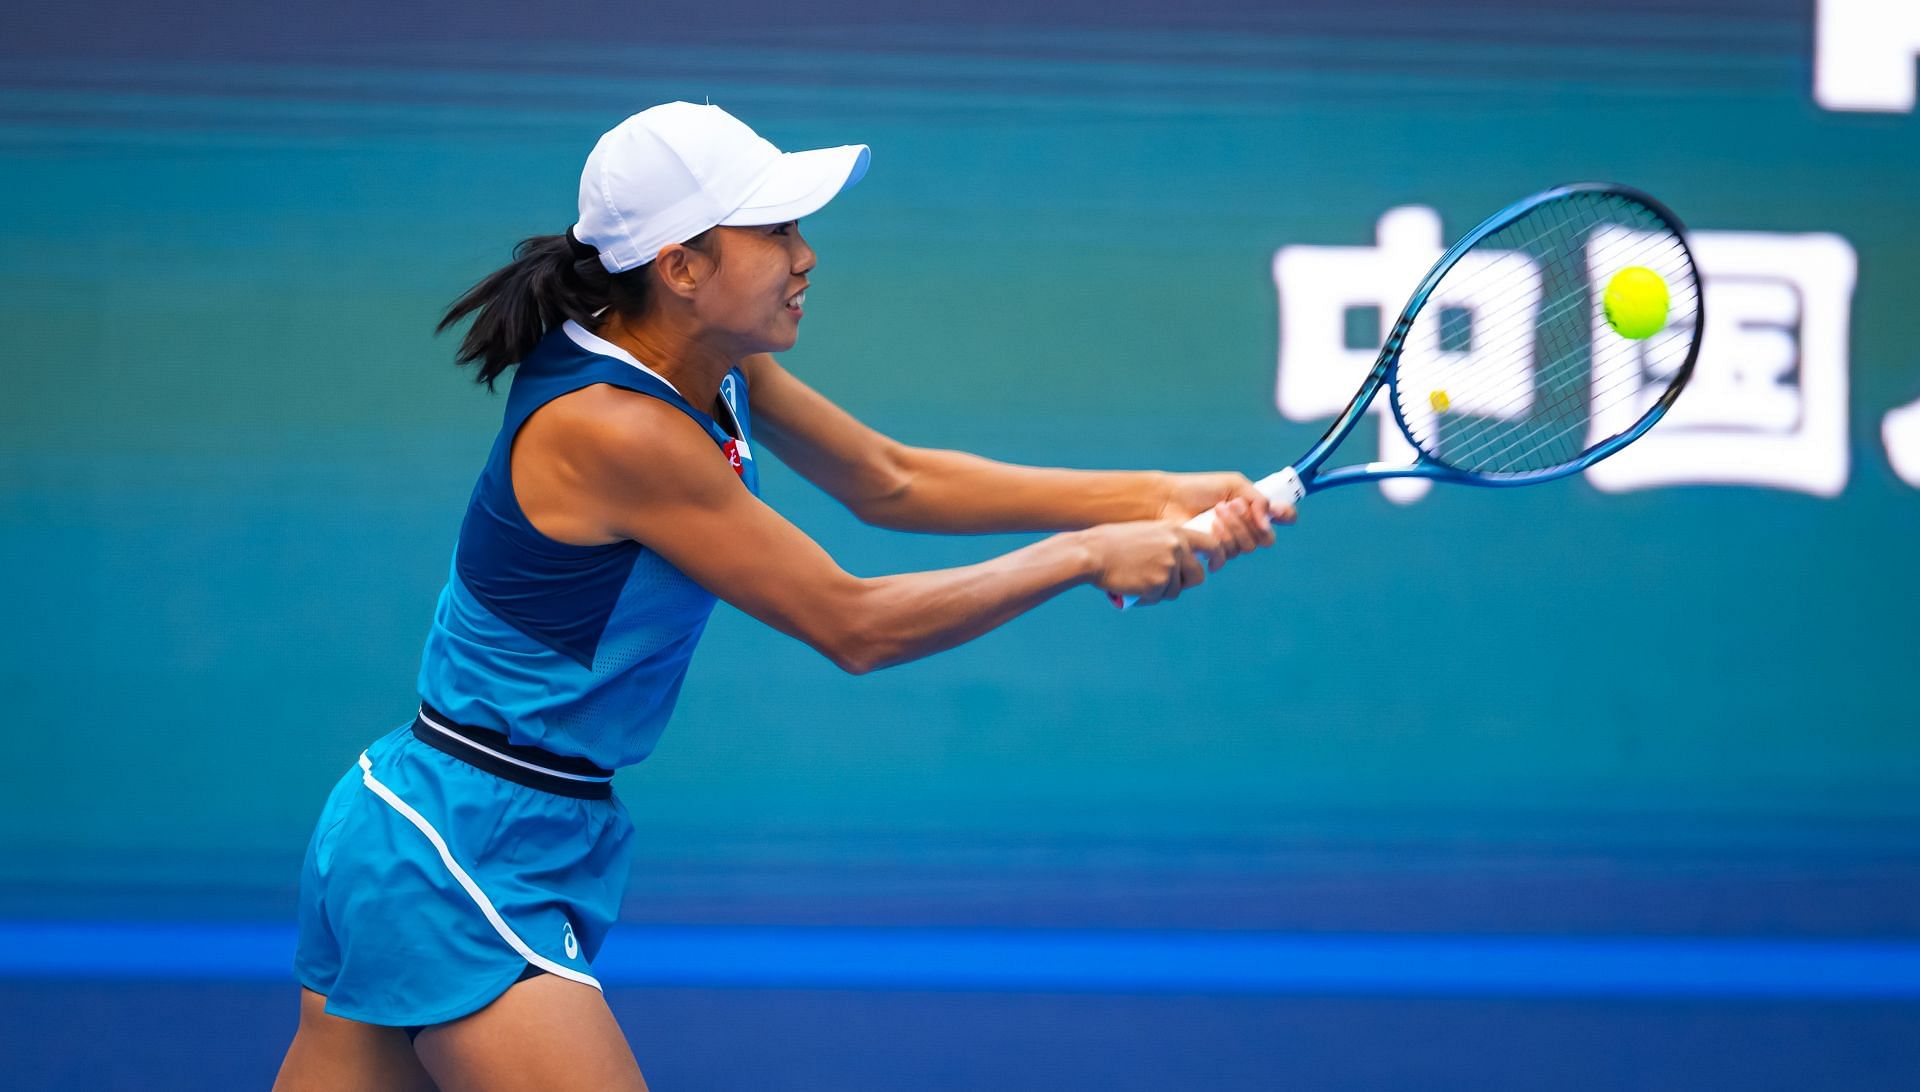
{"x":579,"y":650}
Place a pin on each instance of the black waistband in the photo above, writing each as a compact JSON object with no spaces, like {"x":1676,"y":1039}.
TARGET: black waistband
{"x":533,"y":767}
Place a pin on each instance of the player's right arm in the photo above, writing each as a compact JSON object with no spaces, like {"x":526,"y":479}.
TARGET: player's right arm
{"x":604,"y":464}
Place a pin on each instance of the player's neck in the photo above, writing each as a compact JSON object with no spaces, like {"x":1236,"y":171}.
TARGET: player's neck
{"x":694,"y":367}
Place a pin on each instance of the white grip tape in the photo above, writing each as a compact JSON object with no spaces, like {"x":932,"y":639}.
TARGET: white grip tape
{"x":1282,"y":488}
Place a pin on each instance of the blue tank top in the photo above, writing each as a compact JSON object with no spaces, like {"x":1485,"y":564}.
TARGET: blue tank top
{"x":580,"y":650}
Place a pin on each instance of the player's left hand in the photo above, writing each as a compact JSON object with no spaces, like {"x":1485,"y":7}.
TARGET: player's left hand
{"x":1188,"y":495}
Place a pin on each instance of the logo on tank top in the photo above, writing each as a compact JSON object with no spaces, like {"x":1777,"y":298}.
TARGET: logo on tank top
{"x":572,"y":945}
{"x":738,"y":454}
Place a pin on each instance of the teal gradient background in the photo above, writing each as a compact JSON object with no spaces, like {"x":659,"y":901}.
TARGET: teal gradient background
{"x":236,"y":459}
{"x":233,"y":460}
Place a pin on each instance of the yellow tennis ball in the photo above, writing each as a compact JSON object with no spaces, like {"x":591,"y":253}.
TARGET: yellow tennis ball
{"x":1636,"y":302}
{"x":1439,"y":401}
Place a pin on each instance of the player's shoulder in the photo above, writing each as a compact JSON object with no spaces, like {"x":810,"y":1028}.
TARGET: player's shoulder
{"x":619,"y":421}
{"x":608,"y":429}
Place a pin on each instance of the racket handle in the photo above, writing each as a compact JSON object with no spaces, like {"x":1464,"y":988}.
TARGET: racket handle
{"x":1282,"y":488}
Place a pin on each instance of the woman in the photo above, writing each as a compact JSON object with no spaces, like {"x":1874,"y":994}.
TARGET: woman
{"x":465,"y":871}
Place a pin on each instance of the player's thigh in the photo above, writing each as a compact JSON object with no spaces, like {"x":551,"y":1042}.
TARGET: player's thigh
{"x":545,"y":1034}
{"x":334,"y":1054}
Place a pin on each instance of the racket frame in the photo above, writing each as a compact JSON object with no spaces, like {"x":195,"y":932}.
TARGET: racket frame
{"x":1386,"y":370}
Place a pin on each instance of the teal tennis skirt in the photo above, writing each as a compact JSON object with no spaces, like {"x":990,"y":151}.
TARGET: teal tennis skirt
{"x":432,"y":884}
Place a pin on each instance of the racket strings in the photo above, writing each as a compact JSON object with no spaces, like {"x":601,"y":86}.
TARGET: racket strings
{"x":1485,"y":419}
{"x":1516,"y":307}
{"x":1504,"y":457}
{"x":1512,"y":311}
{"x":1549,"y":446}
{"x":1565,"y":348}
{"x":1576,"y":411}
{"x":1473,"y":398}
{"x":1523,"y":268}
{"x":1506,"y":289}
{"x":1538,"y":371}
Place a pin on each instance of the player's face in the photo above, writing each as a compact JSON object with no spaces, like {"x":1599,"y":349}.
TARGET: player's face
{"x":755,"y":294}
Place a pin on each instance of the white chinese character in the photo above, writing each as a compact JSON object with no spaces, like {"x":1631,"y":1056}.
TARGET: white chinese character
{"x":1864,"y":53}
{"x":1767,"y":404}
{"x":1900,"y":431}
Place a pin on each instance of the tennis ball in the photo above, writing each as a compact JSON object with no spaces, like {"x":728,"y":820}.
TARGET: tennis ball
{"x":1439,"y":401}
{"x":1636,"y":302}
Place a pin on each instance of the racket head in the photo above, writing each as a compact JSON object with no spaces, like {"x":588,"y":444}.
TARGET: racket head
{"x":1504,"y":368}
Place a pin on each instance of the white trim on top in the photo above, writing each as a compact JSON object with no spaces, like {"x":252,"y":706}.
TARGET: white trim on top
{"x":473,"y":889}
{"x":464,"y":741}
{"x":594,"y":343}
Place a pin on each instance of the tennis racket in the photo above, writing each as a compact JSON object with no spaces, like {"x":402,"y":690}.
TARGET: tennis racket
{"x":1505,"y":369}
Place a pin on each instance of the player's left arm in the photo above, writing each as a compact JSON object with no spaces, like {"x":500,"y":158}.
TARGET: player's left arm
{"x":890,"y":484}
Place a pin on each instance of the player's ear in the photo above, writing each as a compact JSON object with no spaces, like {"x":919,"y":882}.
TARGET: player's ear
{"x":682,"y":268}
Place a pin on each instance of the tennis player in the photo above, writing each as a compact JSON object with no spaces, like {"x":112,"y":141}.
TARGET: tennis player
{"x":465,"y":871}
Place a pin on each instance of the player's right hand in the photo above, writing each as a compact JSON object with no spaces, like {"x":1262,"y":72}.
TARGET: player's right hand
{"x":1152,"y":559}
{"x":1238,"y":527}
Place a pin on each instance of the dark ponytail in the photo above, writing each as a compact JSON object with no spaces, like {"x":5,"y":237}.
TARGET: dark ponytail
{"x":548,"y":282}
{"x":551,"y":279}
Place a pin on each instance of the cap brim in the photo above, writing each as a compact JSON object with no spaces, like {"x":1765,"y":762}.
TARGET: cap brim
{"x":800,"y":184}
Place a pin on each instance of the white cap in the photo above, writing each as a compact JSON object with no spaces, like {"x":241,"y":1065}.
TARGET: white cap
{"x":668,"y":173}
